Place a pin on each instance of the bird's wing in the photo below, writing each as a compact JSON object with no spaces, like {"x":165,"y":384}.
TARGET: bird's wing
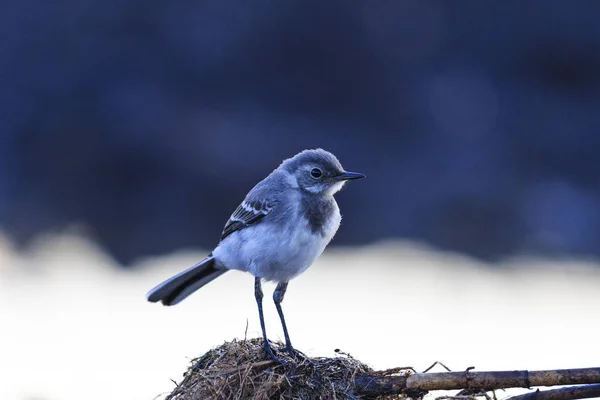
{"x":248,"y":213}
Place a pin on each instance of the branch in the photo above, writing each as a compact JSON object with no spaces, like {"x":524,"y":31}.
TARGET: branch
{"x":568,"y":393}
{"x":379,"y":385}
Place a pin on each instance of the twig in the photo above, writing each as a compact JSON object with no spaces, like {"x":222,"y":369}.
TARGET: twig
{"x":568,"y":393}
{"x":456,"y":398}
{"x":437,"y":363}
{"x":257,"y":365}
{"x":395,"y":370}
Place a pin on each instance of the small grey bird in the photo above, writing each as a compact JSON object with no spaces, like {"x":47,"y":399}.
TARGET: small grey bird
{"x":278,"y":231}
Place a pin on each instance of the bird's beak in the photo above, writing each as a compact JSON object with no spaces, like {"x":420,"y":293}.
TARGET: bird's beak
{"x":346,"y":176}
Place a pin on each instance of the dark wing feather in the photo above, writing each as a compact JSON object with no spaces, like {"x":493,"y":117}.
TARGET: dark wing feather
{"x":247,"y":213}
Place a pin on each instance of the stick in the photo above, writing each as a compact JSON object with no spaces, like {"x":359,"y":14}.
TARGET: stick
{"x":380,"y":385}
{"x":568,"y":393}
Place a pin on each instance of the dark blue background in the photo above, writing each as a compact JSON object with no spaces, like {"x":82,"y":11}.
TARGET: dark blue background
{"x":477,"y":122}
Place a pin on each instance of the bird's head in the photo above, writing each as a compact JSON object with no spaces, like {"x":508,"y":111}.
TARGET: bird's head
{"x":318,"y":172}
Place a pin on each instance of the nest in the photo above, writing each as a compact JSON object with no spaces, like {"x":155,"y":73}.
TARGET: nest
{"x":238,"y":370}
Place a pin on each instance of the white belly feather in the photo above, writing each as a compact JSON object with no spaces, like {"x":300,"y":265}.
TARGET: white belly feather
{"x":276,"y":252}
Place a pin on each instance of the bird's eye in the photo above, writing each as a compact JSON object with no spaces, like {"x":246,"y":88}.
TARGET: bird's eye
{"x":316,"y":173}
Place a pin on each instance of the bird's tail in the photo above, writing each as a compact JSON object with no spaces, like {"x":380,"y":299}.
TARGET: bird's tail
{"x":180,"y":286}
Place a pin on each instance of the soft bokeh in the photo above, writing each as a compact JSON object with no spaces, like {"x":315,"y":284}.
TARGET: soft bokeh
{"x":476,"y":122}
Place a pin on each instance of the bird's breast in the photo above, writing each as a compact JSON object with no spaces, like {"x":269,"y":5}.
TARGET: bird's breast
{"x":331,"y":223}
{"x":322,"y":215}
{"x":281,"y":248}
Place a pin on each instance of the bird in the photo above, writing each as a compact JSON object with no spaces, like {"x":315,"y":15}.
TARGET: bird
{"x":280,"y":228}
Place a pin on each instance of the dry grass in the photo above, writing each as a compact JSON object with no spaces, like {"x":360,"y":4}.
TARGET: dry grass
{"x":238,"y":370}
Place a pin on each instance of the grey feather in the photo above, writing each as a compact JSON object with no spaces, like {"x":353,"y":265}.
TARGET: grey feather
{"x":180,"y":286}
{"x":317,"y":210}
{"x":247,"y":213}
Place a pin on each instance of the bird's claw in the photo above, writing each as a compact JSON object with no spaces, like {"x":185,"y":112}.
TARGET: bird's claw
{"x":293,"y":352}
{"x":269,"y":353}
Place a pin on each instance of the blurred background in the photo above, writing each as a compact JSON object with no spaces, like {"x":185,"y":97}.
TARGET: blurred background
{"x":129,"y":131}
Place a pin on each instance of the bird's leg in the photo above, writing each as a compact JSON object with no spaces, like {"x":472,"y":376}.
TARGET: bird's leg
{"x":278,"y":298}
{"x":258,"y":294}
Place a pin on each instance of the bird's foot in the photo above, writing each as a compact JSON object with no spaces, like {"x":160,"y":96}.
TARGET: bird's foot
{"x":269,"y":353}
{"x":293,"y":352}
{"x":297,"y":355}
